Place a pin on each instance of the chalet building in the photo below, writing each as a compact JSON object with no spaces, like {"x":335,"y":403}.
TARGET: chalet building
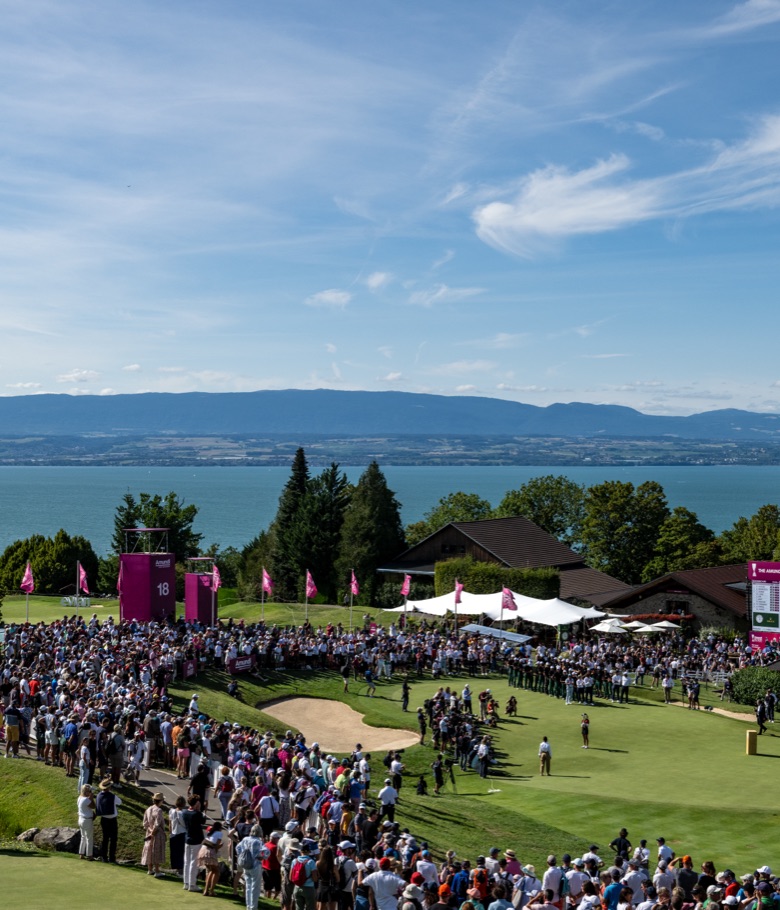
{"x":715,"y":596}
{"x":514,"y":543}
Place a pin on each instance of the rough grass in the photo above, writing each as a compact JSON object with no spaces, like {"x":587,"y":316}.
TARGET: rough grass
{"x":34,"y":795}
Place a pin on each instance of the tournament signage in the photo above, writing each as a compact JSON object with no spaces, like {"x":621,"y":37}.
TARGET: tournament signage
{"x":242,"y":664}
{"x":764,"y":601}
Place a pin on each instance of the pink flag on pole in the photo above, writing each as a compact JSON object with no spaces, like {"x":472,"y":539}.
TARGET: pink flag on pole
{"x":28,"y":582}
{"x":508,"y":600}
{"x":268,"y":585}
{"x":83,"y":586}
{"x":458,"y":590}
{"x":353,"y":586}
{"x":216,"y":579}
{"x":406,"y":585}
{"x":311,"y":588}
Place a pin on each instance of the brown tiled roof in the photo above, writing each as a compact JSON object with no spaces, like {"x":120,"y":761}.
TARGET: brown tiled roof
{"x":518,"y":542}
{"x":584,"y":583}
{"x":710,"y":583}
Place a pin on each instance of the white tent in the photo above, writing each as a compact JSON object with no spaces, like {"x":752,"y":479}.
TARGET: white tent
{"x":553,"y":612}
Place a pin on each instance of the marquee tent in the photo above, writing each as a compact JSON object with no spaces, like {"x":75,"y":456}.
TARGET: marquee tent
{"x":553,"y":612}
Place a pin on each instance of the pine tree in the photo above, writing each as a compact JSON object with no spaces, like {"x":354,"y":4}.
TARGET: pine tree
{"x":286,"y":532}
{"x":372,"y":533}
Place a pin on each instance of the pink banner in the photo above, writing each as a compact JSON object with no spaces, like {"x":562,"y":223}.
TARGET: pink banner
{"x":242,"y":664}
{"x":189,"y":668}
{"x":759,"y":640}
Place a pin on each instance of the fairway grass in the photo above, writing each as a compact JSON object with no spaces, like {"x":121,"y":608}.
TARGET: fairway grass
{"x":658,"y":770}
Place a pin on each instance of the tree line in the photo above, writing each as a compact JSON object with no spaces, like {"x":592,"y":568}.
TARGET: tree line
{"x":331,"y":528}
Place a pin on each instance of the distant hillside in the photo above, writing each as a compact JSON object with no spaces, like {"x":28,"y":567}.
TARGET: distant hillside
{"x":294,"y":412}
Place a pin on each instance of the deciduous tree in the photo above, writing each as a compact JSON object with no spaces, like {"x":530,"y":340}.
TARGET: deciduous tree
{"x":621,"y":526}
{"x":555,"y":503}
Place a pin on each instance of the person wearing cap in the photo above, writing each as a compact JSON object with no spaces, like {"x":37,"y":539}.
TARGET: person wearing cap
{"x":633,"y":879}
{"x":553,"y":879}
{"x":576,"y":876}
{"x":349,"y":875}
{"x":650,"y":897}
{"x":663,"y":878}
{"x":665,"y":852}
{"x":427,"y":868}
{"x":685,"y":877}
{"x":384,"y":885}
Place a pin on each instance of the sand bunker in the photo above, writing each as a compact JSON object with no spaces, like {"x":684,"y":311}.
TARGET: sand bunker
{"x":336,"y":726}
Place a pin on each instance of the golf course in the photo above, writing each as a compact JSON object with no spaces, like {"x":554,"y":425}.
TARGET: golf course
{"x":655,"y":769}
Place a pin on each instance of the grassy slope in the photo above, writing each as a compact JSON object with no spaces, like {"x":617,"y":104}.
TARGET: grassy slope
{"x":33,"y":795}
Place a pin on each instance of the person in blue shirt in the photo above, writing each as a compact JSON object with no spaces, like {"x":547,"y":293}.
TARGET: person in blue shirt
{"x":611,"y":895}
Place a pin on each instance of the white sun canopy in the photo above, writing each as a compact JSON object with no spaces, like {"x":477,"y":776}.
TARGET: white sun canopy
{"x":553,"y":612}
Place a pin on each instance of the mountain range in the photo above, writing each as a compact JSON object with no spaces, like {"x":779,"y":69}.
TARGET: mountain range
{"x":292,"y":412}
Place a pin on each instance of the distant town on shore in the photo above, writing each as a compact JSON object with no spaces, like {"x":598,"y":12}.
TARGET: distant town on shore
{"x":265,"y":428}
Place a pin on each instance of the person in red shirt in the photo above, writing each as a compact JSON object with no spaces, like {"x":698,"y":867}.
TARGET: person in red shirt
{"x":272,"y":873}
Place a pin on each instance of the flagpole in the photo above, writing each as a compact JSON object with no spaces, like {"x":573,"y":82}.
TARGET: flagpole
{"x":306,"y":596}
{"x":27,"y":605}
{"x":78,"y":578}
{"x":351,"y":596}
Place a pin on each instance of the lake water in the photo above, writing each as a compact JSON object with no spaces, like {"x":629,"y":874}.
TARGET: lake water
{"x":236,"y":503}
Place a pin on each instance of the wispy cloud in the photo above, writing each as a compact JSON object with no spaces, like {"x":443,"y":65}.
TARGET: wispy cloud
{"x":330,"y":348}
{"x":442,"y":293}
{"x":386,"y":351}
{"x":555,"y":203}
{"x":23,"y":385}
{"x":744,"y":17}
{"x":394,"y":376}
{"x":333,"y":298}
{"x":132,"y":368}
{"x":448,"y":256}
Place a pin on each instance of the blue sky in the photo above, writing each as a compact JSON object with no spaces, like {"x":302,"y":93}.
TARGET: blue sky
{"x":534,"y":201}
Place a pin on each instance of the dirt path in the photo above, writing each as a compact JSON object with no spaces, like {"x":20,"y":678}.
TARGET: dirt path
{"x":336,"y":726}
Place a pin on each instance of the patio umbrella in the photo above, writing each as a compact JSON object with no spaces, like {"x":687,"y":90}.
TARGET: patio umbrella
{"x":636,"y":624}
{"x":610,"y":627}
{"x":665,"y":624}
{"x":642,"y":629}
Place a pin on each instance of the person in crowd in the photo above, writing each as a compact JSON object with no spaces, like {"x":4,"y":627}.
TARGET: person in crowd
{"x":153,"y":855}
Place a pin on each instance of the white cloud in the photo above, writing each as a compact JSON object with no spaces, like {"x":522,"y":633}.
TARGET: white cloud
{"x":392,"y":377}
{"x":132,"y":368}
{"x":330,"y":348}
{"x":378,"y":280}
{"x":78,"y":376}
{"x":170,"y":369}
{"x":23,"y":385}
{"x":333,"y":298}
{"x":441,"y":293}
{"x":107,"y":392}
{"x":386,"y":351}
{"x":554,"y":203}
{"x":465,"y":388}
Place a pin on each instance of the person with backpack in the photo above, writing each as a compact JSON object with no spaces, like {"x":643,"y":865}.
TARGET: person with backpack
{"x":250,"y":852}
{"x":106,"y":806}
{"x":304,"y":878}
